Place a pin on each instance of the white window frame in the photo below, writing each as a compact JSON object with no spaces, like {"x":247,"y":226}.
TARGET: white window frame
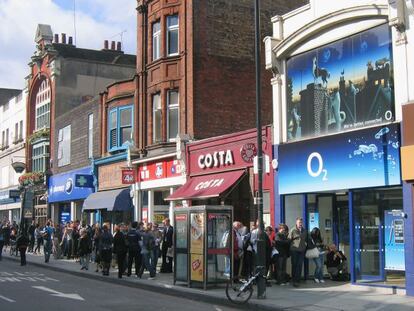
{"x":40,"y":159}
{"x":64,"y":146}
{"x":90,"y":136}
{"x":43,"y":106}
{"x":154,"y":111}
{"x":156,"y":41}
{"x":173,"y":106}
{"x":171,"y":29}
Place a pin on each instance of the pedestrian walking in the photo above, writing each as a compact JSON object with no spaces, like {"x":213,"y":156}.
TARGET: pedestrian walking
{"x":146,"y":246}
{"x":39,"y":239}
{"x":32,"y":239}
{"x":298,"y":236}
{"x":96,"y":247}
{"x":47,"y":236}
{"x":2,"y":225}
{"x":120,"y":249}
{"x":22,"y":243}
{"x":105,"y":244}
{"x":84,"y":250}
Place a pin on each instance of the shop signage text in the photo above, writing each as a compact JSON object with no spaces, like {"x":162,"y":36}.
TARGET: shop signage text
{"x":216,"y":159}
{"x":128,"y":176}
{"x":209,"y":184}
{"x":158,"y":170}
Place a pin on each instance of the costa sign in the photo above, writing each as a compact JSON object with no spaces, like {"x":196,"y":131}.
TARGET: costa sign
{"x":209,"y":184}
{"x":216,"y":159}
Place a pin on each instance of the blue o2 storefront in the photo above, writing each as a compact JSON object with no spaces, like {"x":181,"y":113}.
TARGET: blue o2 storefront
{"x":349,"y":186}
{"x":66,"y":194}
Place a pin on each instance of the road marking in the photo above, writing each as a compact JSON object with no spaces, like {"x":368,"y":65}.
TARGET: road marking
{"x":7,"y":299}
{"x":59,"y":294}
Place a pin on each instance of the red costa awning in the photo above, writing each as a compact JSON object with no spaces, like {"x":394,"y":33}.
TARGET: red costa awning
{"x":206,"y":186}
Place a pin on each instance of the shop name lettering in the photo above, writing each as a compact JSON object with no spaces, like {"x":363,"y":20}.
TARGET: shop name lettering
{"x":57,"y":189}
{"x":209,"y":184}
{"x":216,"y":159}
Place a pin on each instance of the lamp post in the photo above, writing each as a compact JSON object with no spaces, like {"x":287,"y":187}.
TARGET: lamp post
{"x":261,"y":252}
{"x":19,"y":167}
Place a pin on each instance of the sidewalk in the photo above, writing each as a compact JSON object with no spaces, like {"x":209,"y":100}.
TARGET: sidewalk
{"x":328,"y":296}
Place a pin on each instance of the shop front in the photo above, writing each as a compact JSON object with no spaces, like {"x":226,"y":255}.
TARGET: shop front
{"x":221,"y":172}
{"x":156,"y":180}
{"x":112,"y":202}
{"x":10,"y":205}
{"x":67,"y":192}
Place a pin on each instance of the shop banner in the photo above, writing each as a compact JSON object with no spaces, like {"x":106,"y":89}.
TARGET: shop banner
{"x":394,"y":240}
{"x":358,"y":159}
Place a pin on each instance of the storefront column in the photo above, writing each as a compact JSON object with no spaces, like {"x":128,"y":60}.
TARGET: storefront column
{"x":150,"y":206}
{"x":72,"y":211}
{"x":10,"y":215}
{"x":135,"y":202}
{"x":305,"y":224}
{"x":171,"y":209}
{"x":278,"y":205}
{"x":351,"y":236}
{"x":408,"y":203}
{"x":277,"y":108}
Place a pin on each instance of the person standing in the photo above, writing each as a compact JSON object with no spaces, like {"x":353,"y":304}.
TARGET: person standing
{"x":84,"y":249}
{"x":146,"y":246}
{"x":21,"y":243}
{"x":120,"y":249}
{"x":39,"y":239}
{"x":31,"y":232}
{"x":2,"y":238}
{"x":167,"y":242}
{"x":298,"y":236}
{"x":47,"y":236}
{"x":315,"y":241}
{"x":105,"y":245}
{"x":282,"y":244}
{"x":155,"y":254}
{"x":134,"y":248}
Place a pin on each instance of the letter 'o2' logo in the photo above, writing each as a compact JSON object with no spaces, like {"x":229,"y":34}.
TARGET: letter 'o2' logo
{"x":320,"y":169}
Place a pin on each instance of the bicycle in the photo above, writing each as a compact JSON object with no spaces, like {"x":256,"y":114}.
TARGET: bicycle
{"x":240,"y":291}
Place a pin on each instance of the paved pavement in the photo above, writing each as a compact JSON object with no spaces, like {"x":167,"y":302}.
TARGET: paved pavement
{"x":308,"y":297}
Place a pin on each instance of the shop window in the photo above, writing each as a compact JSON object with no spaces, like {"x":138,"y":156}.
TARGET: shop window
{"x":90,"y":136}
{"x":157,"y":118}
{"x":156,"y":40}
{"x":173,"y":115}
{"x":120,"y":127}
{"x":172,"y":35}
{"x":64,"y":142}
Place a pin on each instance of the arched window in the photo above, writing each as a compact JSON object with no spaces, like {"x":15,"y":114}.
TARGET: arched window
{"x":43,"y":106}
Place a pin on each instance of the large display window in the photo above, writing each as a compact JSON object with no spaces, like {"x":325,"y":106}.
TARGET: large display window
{"x":341,"y":86}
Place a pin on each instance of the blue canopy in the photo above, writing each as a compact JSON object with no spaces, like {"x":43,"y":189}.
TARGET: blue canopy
{"x":111,"y":200}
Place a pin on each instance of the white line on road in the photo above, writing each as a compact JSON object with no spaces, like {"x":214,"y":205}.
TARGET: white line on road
{"x":59,"y":294}
{"x":7,"y":299}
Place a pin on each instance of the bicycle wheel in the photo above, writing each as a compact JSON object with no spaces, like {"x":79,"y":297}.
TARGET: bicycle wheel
{"x":238,"y":292}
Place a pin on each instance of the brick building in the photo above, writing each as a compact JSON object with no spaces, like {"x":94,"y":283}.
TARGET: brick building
{"x":63,"y":77}
{"x":195,"y":78}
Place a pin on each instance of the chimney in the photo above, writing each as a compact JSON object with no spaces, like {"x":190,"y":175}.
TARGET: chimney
{"x":70,"y":41}
{"x":106,"y":44}
{"x":63,"y":38}
{"x":56,"y":38}
{"x":118,"y":46}
{"x":112,"y":45}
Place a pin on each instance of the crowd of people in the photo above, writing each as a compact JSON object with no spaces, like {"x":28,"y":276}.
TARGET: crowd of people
{"x":137,"y":244}
{"x":282,"y":244}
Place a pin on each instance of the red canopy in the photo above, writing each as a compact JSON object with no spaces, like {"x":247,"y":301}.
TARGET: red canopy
{"x":206,"y":186}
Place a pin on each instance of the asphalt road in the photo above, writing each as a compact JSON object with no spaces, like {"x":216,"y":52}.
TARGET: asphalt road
{"x":34,"y":288}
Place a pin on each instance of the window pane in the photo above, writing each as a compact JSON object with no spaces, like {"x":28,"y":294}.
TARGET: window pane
{"x":156,"y":102}
{"x":112,"y":119}
{"x":173,"y":42}
{"x":172,"y":123}
{"x":157,"y":126}
{"x":173,"y":98}
{"x":125,"y":134}
{"x":172,"y":20}
{"x":126,"y":117}
{"x":112,"y":139}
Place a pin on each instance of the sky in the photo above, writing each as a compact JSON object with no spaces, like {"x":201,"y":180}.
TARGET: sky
{"x":96,"y":21}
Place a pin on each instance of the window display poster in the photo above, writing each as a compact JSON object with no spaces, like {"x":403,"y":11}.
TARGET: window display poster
{"x":197,"y":267}
{"x":181,"y":230}
{"x":313,"y":220}
{"x":218,"y":228}
{"x":196,"y":233}
{"x":394,"y":240}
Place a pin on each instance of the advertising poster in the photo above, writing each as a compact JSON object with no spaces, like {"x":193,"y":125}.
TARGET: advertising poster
{"x":197,"y":268}
{"x":196,"y":233}
{"x":357,"y":159}
{"x":181,"y":230}
{"x":218,"y":229}
{"x":341,"y":86}
{"x":394,"y":240}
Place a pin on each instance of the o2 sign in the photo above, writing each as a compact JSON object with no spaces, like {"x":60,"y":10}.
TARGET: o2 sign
{"x":315,"y":156}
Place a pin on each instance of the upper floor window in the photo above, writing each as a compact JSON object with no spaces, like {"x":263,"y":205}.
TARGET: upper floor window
{"x":16,"y":132}
{"x":172,"y":35}
{"x":64,"y":142}
{"x":156,"y":40}
{"x":21,"y":130}
{"x":43,"y":106}
{"x":7,"y":138}
{"x":120,"y":127}
{"x":172,"y":115}
{"x":40,"y":157}
{"x":156,"y":118}
{"x":90,"y":136}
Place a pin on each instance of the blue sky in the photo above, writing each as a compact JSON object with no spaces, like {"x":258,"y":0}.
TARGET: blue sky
{"x":96,"y":21}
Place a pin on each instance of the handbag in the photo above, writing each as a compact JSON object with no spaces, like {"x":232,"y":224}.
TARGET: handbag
{"x":170,"y":252}
{"x":312,"y":253}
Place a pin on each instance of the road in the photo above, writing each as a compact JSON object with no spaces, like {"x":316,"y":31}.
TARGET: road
{"x":34,"y":288}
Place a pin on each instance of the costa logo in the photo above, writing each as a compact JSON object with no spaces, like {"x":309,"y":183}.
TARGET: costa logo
{"x":216,"y":159}
{"x":248,"y":152}
{"x":209,"y":184}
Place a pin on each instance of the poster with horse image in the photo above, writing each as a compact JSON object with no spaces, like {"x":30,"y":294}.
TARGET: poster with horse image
{"x":341,"y":86}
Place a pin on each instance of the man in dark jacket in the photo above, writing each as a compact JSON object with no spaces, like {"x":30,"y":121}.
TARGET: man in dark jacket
{"x":31,"y":232}
{"x":120,"y":249}
{"x":167,"y":242}
{"x":282,"y":244}
{"x":21,"y":243}
{"x":134,"y":249}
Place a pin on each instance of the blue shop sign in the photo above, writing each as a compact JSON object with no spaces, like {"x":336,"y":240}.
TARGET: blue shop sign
{"x":62,"y":186}
{"x":8,"y":196}
{"x":358,"y":159}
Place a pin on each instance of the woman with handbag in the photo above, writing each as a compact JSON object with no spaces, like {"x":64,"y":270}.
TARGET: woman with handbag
{"x":316,"y":252}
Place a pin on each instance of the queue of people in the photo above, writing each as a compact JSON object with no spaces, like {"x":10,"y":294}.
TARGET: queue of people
{"x":282,"y":244}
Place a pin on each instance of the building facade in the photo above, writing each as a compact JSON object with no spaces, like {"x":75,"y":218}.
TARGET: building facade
{"x":63,"y":77}
{"x":12,"y":128}
{"x":339,"y":85}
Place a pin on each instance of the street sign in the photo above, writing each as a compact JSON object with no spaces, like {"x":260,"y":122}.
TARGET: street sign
{"x":128,"y":176}
{"x":84,"y":181}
